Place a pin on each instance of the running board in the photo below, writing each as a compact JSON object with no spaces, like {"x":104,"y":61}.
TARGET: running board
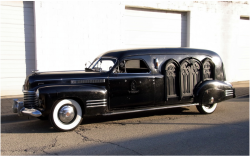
{"x":148,"y":109}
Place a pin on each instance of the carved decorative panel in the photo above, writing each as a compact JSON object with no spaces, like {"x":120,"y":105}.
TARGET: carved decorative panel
{"x":185,"y":75}
{"x":190,"y":76}
{"x":171,"y":79}
{"x":196,"y":73}
{"x":207,"y":70}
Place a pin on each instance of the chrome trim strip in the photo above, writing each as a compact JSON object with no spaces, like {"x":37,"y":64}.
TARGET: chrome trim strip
{"x":96,"y":106}
{"x":96,"y":100}
{"x":70,"y":79}
{"x":229,"y":92}
{"x":148,"y":109}
{"x":132,"y":77}
{"x":27,"y":91}
{"x":88,"y":81}
{"x":96,"y":103}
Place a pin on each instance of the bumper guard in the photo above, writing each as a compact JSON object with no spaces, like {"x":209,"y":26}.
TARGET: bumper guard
{"x":18,"y":108}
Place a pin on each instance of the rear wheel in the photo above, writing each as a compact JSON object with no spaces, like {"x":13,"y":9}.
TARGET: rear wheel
{"x":66,"y":115}
{"x":206,"y":109}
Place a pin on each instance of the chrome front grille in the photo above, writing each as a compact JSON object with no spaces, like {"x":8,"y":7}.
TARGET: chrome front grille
{"x":229,"y":92}
{"x":30,"y":100}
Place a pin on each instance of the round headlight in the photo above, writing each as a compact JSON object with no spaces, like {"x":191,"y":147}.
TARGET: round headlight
{"x":37,"y":93}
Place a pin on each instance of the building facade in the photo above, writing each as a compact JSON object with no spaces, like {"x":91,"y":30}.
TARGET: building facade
{"x":49,"y":35}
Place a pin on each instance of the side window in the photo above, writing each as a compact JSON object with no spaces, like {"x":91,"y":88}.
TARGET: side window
{"x":136,"y":66}
{"x":132,"y":66}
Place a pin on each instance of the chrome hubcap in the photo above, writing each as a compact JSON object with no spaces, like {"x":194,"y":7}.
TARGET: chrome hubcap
{"x":66,"y":114}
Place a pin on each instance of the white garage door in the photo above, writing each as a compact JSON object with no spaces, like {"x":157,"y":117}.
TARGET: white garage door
{"x":17,"y":45}
{"x":243,"y":52}
{"x":154,"y":28}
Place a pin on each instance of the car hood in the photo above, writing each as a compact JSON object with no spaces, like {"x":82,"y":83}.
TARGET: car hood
{"x":60,"y":77}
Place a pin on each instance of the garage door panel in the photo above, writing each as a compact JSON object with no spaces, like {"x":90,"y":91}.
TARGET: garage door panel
{"x":17,"y":39}
{"x":7,"y":63}
{"x":13,"y":81}
{"x":13,"y":10}
{"x":17,"y":56}
{"x":17,"y":45}
{"x":19,"y":21}
{"x":17,"y":3}
{"x":153,"y":37}
{"x":18,"y":34}
{"x":153,"y":24}
{"x":17,"y":48}
{"x":5,"y":27}
{"x":147,"y":28}
{"x":18,"y":52}
{"x":20,"y":66}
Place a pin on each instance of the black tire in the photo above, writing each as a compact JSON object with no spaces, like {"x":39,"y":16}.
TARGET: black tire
{"x":60,"y":113}
{"x":206,"y":109}
{"x":43,"y":117}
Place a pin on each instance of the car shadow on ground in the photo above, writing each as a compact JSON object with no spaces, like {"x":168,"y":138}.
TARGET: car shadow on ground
{"x":25,"y":124}
{"x":171,"y":111}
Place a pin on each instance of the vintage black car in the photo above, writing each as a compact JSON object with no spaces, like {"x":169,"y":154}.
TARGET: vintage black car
{"x":126,"y":81}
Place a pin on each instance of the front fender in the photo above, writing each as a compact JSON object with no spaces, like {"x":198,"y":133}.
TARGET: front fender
{"x":213,"y":91}
{"x":80,"y":93}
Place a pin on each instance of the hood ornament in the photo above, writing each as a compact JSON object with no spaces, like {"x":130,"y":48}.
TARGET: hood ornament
{"x":34,"y":71}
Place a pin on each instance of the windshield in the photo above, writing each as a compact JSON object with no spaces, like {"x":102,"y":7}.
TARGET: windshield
{"x":103,"y":64}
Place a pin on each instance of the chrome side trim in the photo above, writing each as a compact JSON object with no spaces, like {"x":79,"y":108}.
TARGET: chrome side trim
{"x":96,"y":100}
{"x":88,"y":81}
{"x":96,"y":103}
{"x":229,"y":92}
{"x":149,"y":109}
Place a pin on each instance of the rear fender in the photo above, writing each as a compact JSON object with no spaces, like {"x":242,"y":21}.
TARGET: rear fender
{"x":212,"y":91}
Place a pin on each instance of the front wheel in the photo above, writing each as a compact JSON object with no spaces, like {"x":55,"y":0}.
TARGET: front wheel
{"x":206,"y":109}
{"x":66,"y":115}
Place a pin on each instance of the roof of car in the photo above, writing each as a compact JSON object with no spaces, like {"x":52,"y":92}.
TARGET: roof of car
{"x":158,"y":51}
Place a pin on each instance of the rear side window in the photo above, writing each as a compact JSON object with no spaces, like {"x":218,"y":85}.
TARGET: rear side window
{"x":136,"y":66}
{"x":132,"y":66}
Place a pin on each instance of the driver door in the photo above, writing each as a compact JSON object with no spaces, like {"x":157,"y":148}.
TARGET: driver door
{"x":131,"y":85}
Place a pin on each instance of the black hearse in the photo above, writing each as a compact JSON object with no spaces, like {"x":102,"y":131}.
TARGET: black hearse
{"x":127,"y":81}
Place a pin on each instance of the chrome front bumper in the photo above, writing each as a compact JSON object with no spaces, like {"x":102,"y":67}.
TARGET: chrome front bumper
{"x":18,"y":108}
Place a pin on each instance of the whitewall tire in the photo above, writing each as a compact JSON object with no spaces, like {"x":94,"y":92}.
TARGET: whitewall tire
{"x":66,"y":115}
{"x":206,"y":109}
